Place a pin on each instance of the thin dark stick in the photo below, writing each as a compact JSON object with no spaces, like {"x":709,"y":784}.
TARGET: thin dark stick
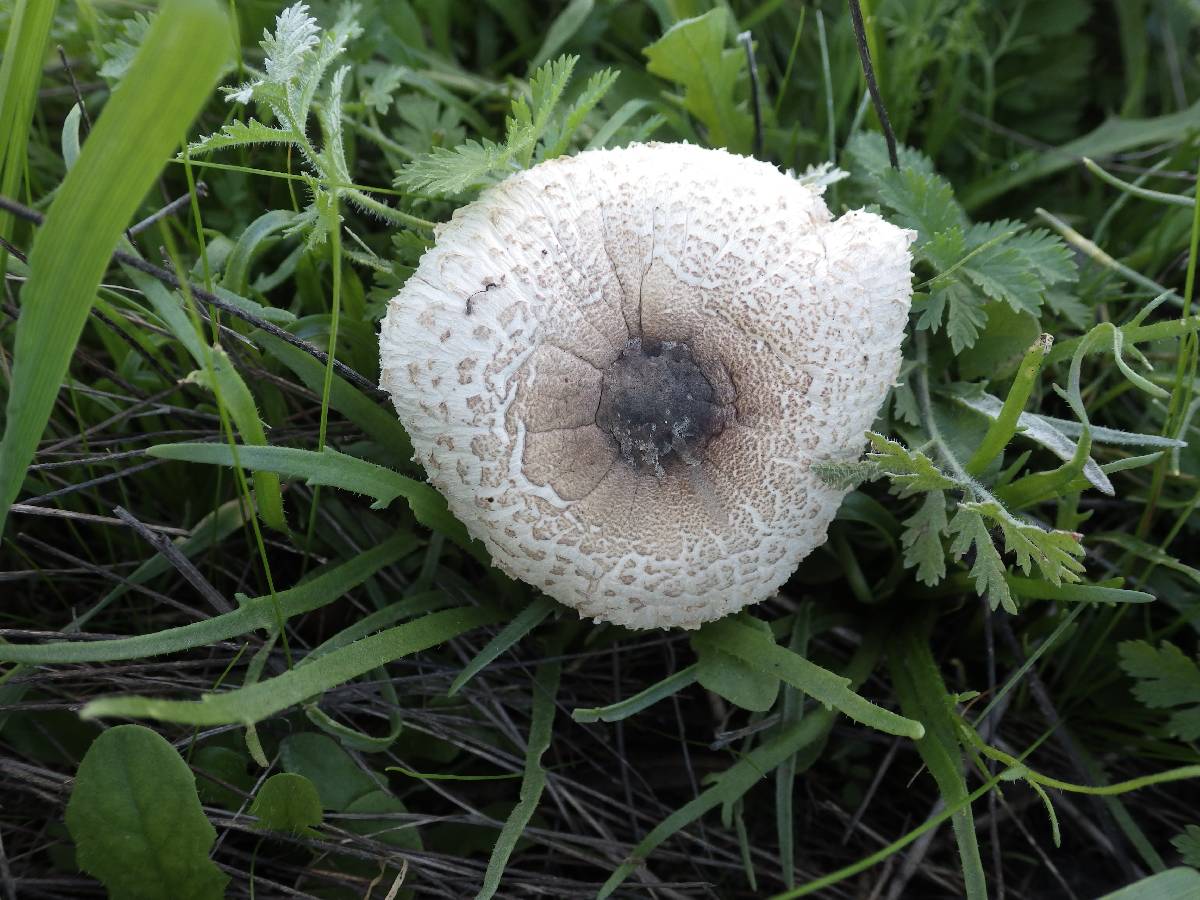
{"x":93,"y":482}
{"x":747,"y":42}
{"x":87,"y":120}
{"x":864,"y":54}
{"x":170,"y":209}
{"x":177,"y":559}
{"x":168,"y":278}
{"x":13,"y":251}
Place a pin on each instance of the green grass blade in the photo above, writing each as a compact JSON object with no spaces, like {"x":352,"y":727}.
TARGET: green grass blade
{"x":135,"y":135}
{"x":259,"y":701}
{"x":541,"y":730}
{"x":377,"y":422}
{"x":922,"y":693}
{"x":329,"y":468}
{"x":525,"y":621}
{"x":259,"y":612}
{"x":20,"y":74}
{"x":747,"y":771}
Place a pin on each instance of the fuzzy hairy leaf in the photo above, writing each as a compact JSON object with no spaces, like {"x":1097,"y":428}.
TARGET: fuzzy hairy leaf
{"x":593,"y":92}
{"x":1166,"y":677}
{"x":241,"y":134}
{"x":449,"y":171}
{"x":1057,"y":554}
{"x":969,"y":529}
{"x":910,"y":471}
{"x":118,"y":53}
{"x":454,"y":171}
{"x":1188,"y":845}
{"x":922,"y":539}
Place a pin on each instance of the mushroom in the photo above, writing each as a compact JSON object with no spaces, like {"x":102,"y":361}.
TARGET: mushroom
{"x":620,"y":367}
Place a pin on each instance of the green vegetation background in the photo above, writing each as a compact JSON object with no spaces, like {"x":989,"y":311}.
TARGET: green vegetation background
{"x":985,"y":684}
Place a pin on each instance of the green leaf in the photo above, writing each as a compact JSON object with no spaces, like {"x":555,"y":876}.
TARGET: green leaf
{"x":386,"y":830}
{"x":242,"y":134}
{"x":644,"y":699}
{"x":1173,"y":884}
{"x":692,"y":54}
{"x":287,"y":802}
{"x":747,"y":644}
{"x":922,"y":539}
{"x":221,"y":377}
{"x":593,"y":92}
{"x":321,"y":760}
{"x":226,"y":765}
{"x":1056,"y":553}
{"x":968,"y":528}
{"x":137,"y":822}
{"x":160,"y":95}
{"x":1188,"y":845}
{"x":118,"y":54}
{"x":1165,"y":677}
{"x":259,"y":701}
{"x":920,"y":200}
{"x":868,"y":154}
{"x":447,"y":172}
{"x":725,"y":674}
{"x":910,"y":471}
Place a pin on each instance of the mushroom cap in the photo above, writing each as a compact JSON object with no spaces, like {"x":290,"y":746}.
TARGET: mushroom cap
{"x":498,"y":350}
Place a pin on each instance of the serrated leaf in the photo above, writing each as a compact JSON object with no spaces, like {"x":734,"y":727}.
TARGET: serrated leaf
{"x":920,"y":200}
{"x":969,"y":529}
{"x":965,"y":317}
{"x":1188,"y":845}
{"x":287,"y":802}
{"x":910,"y":471}
{"x":137,"y":822}
{"x":922,"y":539}
{"x":1047,"y":255}
{"x":869,"y":155}
{"x":1166,"y":678}
{"x":692,"y":54}
{"x":118,"y":53}
{"x":241,"y":134}
{"x":1056,"y":553}
{"x":453,"y":171}
{"x":593,"y":92}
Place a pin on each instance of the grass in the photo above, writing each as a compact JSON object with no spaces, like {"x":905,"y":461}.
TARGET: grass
{"x":984,"y":684}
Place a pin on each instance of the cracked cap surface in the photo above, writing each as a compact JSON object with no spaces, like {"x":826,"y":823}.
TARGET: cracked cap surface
{"x":498,"y":350}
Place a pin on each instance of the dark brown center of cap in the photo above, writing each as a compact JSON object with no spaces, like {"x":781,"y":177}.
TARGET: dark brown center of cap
{"x":658,"y":406}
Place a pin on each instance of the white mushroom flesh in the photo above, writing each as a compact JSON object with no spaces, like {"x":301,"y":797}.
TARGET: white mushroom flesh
{"x":619,"y":368}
